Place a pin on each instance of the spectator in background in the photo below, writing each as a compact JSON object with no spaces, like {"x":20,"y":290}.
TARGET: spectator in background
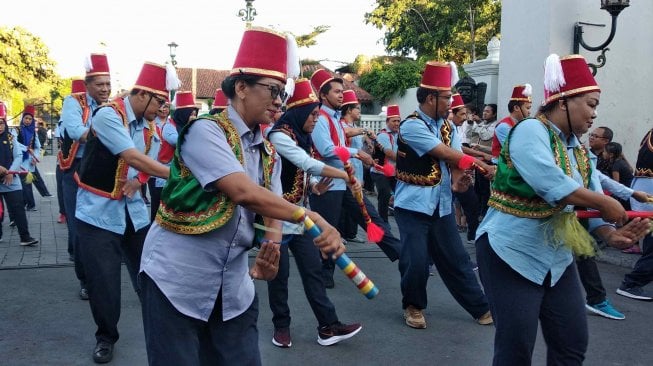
{"x":480,"y":138}
{"x":620,"y":170}
{"x":600,"y":137}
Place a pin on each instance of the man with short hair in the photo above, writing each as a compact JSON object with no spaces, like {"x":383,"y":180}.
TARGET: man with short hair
{"x":76,"y":115}
{"x":386,"y":153}
{"x":112,"y":219}
{"x":428,"y":157}
{"x":519,"y":107}
{"x":597,"y":141}
{"x":328,"y":135}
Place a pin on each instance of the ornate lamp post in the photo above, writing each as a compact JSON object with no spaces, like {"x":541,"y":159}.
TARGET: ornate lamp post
{"x":614,"y":7}
{"x":248,"y":13}
{"x":173,"y":53}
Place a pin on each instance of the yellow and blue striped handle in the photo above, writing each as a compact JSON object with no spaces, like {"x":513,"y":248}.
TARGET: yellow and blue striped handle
{"x":351,"y":270}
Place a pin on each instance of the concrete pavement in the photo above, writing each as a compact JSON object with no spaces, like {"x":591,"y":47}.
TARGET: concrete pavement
{"x":42,"y":322}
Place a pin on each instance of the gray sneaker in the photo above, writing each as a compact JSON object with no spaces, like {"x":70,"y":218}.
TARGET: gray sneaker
{"x":636,"y":293}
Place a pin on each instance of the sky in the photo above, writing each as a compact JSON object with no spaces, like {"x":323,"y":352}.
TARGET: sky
{"x":208,"y":32}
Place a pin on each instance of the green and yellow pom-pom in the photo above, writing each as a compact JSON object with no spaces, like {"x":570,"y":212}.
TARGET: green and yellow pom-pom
{"x":29,"y":178}
{"x":566,"y":229}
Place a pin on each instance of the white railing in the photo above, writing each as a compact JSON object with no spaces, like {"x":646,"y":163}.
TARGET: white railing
{"x":373,"y":122}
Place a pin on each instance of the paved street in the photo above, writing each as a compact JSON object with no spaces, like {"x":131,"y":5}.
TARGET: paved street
{"x":42,"y":321}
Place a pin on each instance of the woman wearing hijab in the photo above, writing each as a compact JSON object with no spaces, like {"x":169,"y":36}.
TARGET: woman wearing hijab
{"x":10,"y":186}
{"x":31,"y":154}
{"x":291,"y":137}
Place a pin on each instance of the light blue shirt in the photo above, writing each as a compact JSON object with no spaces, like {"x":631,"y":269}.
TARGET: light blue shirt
{"x":17,"y":153}
{"x":324,"y":145}
{"x":192,"y":269}
{"x":420,"y":198}
{"x":383,"y":138}
{"x":107,"y":213}
{"x":71,"y":119}
{"x":27,"y":164}
{"x":356,"y":143}
{"x":524,"y":243}
{"x":169,"y":134}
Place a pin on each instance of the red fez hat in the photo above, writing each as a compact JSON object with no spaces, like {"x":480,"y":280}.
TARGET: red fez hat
{"x":97,"y":64}
{"x":349,"y":97}
{"x":456,"y":102}
{"x":303,"y":95}
{"x":439,"y":75}
{"x":262,"y":52}
{"x":184,"y":99}
{"x":3,"y":111}
{"x":29,"y":109}
{"x":320,"y":77}
{"x":220,"y":100}
{"x":392,"y":111}
{"x":78,"y":86}
{"x":157,"y":79}
{"x":522,"y":93}
{"x":566,"y":77}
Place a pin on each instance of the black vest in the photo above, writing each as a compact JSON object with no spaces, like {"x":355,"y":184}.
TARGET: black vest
{"x":420,"y":170}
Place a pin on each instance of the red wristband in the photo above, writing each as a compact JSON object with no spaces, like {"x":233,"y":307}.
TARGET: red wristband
{"x":466,"y":162}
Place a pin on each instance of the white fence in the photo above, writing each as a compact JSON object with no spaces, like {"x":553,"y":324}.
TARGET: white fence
{"x":373,"y":122}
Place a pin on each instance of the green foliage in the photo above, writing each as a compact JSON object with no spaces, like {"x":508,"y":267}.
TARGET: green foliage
{"x":437,"y":29}
{"x":308,"y":40}
{"x":384,"y":78}
{"x":28,"y":75}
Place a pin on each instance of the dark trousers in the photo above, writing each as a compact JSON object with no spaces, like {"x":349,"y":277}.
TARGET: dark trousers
{"x":16,"y":209}
{"x":70,"y":203}
{"x":155,"y":197}
{"x":331,"y":204}
{"x":590,"y":277}
{"x":307,"y":258}
{"x":518,"y":305}
{"x":384,"y":188}
{"x":28,"y":194}
{"x":368,"y":183}
{"x":347,"y":227}
{"x":482,"y":189}
{"x":102,"y":253}
{"x":62,"y":207}
{"x":437,"y":238}
{"x":471,"y":209}
{"x":172,"y":338}
{"x":642,"y":274}
{"x":39,"y":183}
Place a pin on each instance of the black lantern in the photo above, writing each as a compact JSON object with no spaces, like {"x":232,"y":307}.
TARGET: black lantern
{"x":173,"y":53}
{"x":614,"y":7}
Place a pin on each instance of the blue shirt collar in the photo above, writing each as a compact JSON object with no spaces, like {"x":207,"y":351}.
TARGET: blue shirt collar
{"x":572,"y":143}
{"x":91,"y":102}
{"x":331,"y":112}
{"x":427,"y":118}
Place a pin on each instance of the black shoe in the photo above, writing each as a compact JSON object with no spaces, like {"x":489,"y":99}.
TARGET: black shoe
{"x":103,"y":352}
{"x":12,"y":223}
{"x":71,"y":257}
{"x":83,"y":293}
{"x":31,"y":208}
{"x":47,"y":195}
{"x":28,"y":241}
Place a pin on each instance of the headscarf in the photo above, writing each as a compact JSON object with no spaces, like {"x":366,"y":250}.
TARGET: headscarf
{"x":293,"y":121}
{"x":181,"y":116}
{"x":27,"y":135}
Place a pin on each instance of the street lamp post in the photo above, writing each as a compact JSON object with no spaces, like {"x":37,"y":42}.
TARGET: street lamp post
{"x":173,"y":53}
{"x":248,"y":13}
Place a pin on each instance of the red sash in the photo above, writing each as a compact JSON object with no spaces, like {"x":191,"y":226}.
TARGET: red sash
{"x":496,"y":145}
{"x":333,"y":132}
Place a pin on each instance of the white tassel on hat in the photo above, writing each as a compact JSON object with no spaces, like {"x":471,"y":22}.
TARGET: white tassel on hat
{"x":528,"y":90}
{"x":554,"y":78}
{"x":292,"y":63}
{"x":172,"y":81}
{"x":454,"y":73}
{"x":88,"y":63}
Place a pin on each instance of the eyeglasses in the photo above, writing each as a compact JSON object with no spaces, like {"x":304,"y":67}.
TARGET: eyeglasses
{"x":275,"y":91}
{"x":161,"y":101}
{"x":593,"y":135}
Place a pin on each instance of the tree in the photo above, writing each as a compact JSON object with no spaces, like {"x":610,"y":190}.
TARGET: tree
{"x":28,"y":74}
{"x":308,"y":40}
{"x":388,"y":76}
{"x":444,"y":29}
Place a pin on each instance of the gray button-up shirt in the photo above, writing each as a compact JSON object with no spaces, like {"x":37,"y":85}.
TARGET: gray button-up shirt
{"x":192,"y":269}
